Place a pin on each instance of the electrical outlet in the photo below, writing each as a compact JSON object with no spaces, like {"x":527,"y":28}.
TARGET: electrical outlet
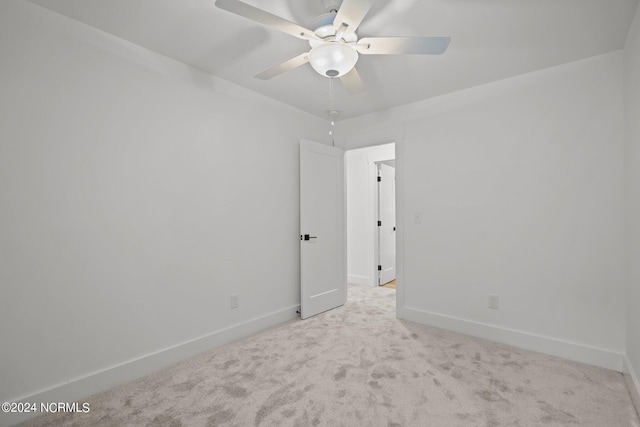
{"x":494,"y":302}
{"x":235,"y":301}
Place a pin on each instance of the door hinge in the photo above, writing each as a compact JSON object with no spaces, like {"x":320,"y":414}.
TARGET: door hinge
{"x":379,"y":268}
{"x":379,"y":179}
{"x":379,"y":223}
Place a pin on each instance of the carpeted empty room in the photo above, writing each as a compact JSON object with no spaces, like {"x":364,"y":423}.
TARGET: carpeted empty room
{"x":199,"y":201}
{"x":358,"y":365}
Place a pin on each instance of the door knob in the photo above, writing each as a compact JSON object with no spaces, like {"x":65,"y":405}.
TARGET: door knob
{"x":307,"y":237}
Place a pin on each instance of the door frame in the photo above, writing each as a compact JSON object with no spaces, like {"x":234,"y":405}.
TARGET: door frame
{"x":400,"y":149}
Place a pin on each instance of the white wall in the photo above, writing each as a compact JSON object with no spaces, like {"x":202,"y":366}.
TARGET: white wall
{"x":361,"y":187}
{"x":137,"y":195}
{"x":520,"y":186}
{"x":632,"y":157}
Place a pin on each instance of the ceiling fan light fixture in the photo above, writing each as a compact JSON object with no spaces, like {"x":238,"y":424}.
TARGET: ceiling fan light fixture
{"x":333,"y":59}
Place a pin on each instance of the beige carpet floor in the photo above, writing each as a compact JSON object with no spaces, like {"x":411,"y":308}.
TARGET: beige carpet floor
{"x":359,"y":366}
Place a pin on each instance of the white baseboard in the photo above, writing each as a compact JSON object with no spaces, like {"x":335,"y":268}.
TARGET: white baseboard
{"x":633,"y":383}
{"x":359,"y":280}
{"x":569,"y":350}
{"x":79,"y":388}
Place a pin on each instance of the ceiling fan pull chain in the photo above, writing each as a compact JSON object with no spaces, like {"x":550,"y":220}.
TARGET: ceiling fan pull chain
{"x":331,"y":111}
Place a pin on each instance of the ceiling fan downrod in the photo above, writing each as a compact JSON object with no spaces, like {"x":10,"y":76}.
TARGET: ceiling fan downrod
{"x":332,"y":6}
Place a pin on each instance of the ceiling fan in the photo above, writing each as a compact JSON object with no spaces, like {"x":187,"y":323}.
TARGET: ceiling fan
{"x":334,"y":43}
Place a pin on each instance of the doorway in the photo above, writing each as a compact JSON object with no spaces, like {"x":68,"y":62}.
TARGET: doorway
{"x":363,"y":233}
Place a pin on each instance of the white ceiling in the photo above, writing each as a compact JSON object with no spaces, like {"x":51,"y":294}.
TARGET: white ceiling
{"x":490,"y":40}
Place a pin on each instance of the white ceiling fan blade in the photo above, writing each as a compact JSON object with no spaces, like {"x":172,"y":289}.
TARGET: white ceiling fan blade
{"x":403,"y":45}
{"x":351,"y":14}
{"x":284,"y":67}
{"x":266,"y":18}
{"x":352,"y":82}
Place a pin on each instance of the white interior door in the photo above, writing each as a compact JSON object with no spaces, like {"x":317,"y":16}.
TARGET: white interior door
{"x":386,"y":224}
{"x":323,"y":281}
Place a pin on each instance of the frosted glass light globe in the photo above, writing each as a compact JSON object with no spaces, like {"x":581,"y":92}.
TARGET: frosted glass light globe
{"x":333,"y":59}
